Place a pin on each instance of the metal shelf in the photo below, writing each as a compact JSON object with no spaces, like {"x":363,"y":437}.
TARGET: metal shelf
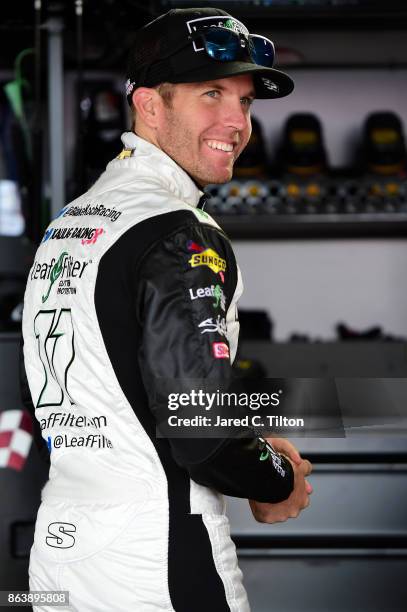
{"x":261,"y":227}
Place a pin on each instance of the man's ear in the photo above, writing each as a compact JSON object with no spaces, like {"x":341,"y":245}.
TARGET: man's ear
{"x":147,"y":103}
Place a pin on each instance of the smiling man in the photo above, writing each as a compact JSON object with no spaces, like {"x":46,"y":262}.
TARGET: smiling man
{"x":202,"y":126}
{"x":130,"y":520}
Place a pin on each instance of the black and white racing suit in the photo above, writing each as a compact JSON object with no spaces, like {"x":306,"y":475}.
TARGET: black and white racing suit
{"x":131,"y":283}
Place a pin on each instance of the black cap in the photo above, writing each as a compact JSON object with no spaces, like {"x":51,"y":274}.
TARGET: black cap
{"x":159,"y":56}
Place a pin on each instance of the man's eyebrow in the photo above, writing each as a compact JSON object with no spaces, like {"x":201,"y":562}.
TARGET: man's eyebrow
{"x":216,"y":85}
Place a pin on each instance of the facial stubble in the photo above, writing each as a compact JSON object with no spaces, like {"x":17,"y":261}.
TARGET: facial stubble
{"x":177,"y":140}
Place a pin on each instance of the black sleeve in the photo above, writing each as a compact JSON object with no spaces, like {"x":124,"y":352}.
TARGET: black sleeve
{"x":29,"y":406}
{"x":185,"y":284}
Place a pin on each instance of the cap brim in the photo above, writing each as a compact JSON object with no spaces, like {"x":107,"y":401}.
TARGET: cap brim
{"x":268,"y":82}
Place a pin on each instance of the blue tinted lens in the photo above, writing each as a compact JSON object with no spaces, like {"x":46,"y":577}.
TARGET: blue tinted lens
{"x":261,"y":50}
{"x":221,"y":44}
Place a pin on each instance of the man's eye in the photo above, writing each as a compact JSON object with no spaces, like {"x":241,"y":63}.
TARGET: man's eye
{"x":247,"y":101}
{"x":212,"y":93}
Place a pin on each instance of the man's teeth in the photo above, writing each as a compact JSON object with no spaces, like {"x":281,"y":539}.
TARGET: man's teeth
{"x":217,"y":144}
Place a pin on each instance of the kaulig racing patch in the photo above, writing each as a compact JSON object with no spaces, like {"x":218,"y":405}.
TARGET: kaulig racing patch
{"x":87,"y":235}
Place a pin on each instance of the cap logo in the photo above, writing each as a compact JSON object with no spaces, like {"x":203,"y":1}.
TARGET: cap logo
{"x":270,"y":85}
{"x":220,"y":21}
{"x":129,"y":85}
{"x":236,"y":26}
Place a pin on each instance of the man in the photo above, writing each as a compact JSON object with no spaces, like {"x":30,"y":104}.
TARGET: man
{"x":133,"y":284}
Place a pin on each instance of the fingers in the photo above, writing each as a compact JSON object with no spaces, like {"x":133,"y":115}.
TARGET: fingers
{"x":282,"y":445}
{"x":292,"y":452}
{"x":306,"y":467}
{"x":308,"y":487}
{"x":268,"y":513}
{"x":296,"y":511}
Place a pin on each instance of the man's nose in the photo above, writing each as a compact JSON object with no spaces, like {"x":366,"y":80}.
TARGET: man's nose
{"x":236,"y":115}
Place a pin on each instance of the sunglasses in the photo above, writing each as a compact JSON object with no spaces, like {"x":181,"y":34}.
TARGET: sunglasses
{"x":226,"y":45}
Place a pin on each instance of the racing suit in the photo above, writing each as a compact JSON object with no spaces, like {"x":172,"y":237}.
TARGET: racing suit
{"x":132,"y":283}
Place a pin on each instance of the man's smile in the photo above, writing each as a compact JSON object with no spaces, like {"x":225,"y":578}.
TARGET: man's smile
{"x":220,"y":145}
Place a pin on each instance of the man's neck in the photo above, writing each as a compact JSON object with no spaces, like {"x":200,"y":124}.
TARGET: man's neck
{"x":140,"y":133}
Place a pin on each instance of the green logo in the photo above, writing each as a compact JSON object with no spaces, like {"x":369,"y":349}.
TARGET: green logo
{"x":264,"y":455}
{"x":231,"y":24}
{"x":203,"y":214}
{"x":55,"y":273}
{"x":217,"y":294}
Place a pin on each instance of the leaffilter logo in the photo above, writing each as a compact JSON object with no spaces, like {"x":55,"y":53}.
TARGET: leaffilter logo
{"x":55,"y":273}
{"x":235,"y":25}
{"x":220,"y":21}
{"x":217,"y":294}
{"x":214,"y":291}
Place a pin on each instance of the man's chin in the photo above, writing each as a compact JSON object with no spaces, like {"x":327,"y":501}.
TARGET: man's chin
{"x":218,"y":178}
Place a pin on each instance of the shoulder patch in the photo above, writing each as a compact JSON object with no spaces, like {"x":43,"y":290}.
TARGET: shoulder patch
{"x":125,"y":153}
{"x":203,"y":217}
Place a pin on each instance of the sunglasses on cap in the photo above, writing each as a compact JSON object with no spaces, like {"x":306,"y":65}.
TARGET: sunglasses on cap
{"x":220,"y":44}
{"x":226,"y":45}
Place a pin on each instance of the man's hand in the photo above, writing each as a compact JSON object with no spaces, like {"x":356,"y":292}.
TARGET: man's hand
{"x":284,"y":447}
{"x":299,"y":497}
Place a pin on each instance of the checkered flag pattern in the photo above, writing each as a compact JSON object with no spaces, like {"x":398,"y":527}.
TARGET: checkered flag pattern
{"x":15,"y":438}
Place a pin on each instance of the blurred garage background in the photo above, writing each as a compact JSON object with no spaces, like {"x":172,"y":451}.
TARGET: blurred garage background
{"x":317,"y":213}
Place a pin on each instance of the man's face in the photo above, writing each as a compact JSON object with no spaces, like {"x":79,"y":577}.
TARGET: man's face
{"x":203,"y":121}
